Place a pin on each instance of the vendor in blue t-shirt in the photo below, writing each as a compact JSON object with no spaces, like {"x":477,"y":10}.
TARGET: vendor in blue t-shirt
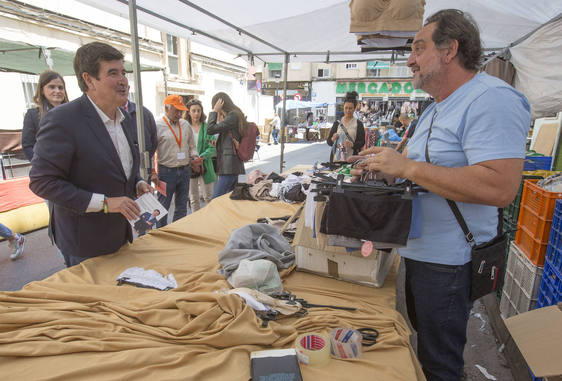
{"x":475,"y":135}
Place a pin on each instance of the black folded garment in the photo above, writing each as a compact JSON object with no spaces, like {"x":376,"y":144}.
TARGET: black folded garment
{"x":367,"y":216}
{"x":295,"y":194}
{"x":275,"y":177}
{"x":241,"y":191}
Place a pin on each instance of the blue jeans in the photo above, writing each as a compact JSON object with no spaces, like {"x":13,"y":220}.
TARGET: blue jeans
{"x":438,"y":303}
{"x":177,"y":182}
{"x":275,"y":135}
{"x":225,"y":184}
{"x":5,"y":232}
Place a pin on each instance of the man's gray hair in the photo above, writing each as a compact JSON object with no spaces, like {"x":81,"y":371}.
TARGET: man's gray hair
{"x":453,"y":24}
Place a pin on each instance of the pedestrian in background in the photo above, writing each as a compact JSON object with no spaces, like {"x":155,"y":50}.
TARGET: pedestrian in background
{"x":176,"y":150}
{"x":150,"y":132}
{"x":276,"y":124}
{"x":16,"y":241}
{"x":347,"y":134}
{"x":50,"y":93}
{"x":203,"y":175}
{"x":229,"y":122}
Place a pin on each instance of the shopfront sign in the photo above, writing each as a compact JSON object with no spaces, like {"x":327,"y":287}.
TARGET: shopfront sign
{"x":372,"y":65}
{"x":389,"y":88}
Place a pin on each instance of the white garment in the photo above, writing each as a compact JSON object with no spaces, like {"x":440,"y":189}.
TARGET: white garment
{"x":310,"y":207}
{"x":148,"y":278}
{"x":195,"y":185}
{"x":122,"y":147}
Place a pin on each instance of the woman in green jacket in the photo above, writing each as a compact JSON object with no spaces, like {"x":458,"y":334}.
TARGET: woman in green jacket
{"x":202,"y":172}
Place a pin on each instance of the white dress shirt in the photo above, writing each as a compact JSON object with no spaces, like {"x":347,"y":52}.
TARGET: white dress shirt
{"x":120,"y":143}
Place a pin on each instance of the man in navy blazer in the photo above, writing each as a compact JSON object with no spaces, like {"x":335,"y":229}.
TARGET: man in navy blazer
{"x":86,"y":160}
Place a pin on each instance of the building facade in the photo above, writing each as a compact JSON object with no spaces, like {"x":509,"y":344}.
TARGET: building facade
{"x":177,"y":66}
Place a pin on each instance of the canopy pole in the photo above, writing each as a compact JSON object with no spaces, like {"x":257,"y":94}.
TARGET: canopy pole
{"x":144,"y":156}
{"x":283,"y":114}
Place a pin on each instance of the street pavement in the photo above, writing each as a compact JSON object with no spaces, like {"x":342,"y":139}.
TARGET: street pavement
{"x":41,"y":260}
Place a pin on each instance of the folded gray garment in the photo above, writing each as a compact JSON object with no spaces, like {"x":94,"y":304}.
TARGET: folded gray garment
{"x":255,"y":241}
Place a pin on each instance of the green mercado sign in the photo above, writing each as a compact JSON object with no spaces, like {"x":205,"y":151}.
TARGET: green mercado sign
{"x":384,"y":88}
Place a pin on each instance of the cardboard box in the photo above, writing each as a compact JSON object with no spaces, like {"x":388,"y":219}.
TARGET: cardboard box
{"x":316,"y":256}
{"x":351,"y":267}
{"x":538,"y":334}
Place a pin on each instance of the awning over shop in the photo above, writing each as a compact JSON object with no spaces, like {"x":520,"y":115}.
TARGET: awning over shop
{"x":294,"y":104}
{"x":372,"y":65}
{"x":26,"y":58}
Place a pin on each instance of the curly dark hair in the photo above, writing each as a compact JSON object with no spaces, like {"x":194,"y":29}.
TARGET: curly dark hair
{"x":351,"y":97}
{"x":453,"y":24}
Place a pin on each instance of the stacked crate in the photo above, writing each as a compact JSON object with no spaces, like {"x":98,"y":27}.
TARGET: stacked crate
{"x":511,"y":212}
{"x":521,"y":284}
{"x":535,"y":162}
{"x":535,"y":220}
{"x":526,"y":259}
{"x":550,"y":292}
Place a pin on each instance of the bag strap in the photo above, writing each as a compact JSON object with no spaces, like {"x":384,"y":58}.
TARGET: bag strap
{"x":346,"y":133}
{"x":453,"y":205}
{"x":234,"y":142}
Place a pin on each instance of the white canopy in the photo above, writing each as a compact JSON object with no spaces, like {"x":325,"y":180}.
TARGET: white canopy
{"x":318,"y":31}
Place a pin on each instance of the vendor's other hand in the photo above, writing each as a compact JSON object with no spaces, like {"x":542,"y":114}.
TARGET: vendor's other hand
{"x":335,"y":137}
{"x":125,"y":206}
{"x":143,"y":188}
{"x":386,"y":160}
{"x":348,"y":144}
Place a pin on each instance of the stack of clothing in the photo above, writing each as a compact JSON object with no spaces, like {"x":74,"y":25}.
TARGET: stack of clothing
{"x":260,"y":186}
{"x":382,"y":24}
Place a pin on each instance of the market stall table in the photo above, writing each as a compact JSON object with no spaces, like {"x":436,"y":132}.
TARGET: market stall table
{"x":79,"y":325}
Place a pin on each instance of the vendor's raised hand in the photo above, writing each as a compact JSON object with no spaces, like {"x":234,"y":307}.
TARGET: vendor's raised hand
{"x":368,"y":151}
{"x":387,"y":160}
{"x":354,"y":158}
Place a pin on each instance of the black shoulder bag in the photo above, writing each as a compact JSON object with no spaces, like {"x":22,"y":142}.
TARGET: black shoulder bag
{"x":488,"y":258}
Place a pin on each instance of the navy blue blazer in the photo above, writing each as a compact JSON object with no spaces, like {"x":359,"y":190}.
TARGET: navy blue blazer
{"x":74,"y":157}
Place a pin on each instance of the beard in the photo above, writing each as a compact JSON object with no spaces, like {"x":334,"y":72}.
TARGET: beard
{"x":427,"y":80}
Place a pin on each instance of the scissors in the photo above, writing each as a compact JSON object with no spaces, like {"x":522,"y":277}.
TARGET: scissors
{"x":369,"y":336}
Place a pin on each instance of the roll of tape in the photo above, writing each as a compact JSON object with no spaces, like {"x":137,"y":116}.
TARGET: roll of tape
{"x":313,"y":349}
{"x":345,"y":343}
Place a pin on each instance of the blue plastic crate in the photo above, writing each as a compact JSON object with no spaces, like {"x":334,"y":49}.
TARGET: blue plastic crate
{"x":554,"y":257}
{"x":535,"y":163}
{"x":533,"y":378}
{"x":550,"y":291}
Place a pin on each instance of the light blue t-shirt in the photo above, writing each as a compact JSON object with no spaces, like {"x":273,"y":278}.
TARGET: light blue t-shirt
{"x":484,"y":119}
